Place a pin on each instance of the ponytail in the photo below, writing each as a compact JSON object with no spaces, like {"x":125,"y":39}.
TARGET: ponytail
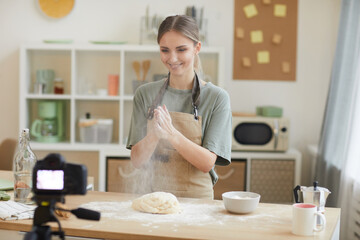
{"x":198,"y":67}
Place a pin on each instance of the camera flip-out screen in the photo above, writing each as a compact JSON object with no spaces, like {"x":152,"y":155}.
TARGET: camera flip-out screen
{"x":50,"y":180}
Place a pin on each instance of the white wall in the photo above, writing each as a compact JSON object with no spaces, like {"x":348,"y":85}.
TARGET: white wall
{"x":303,"y":101}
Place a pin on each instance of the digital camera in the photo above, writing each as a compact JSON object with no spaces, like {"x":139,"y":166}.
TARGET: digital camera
{"x":53,"y":176}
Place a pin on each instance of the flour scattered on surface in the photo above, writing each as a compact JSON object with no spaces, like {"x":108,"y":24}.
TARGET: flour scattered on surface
{"x":146,"y":224}
{"x":88,"y":226}
{"x":191,"y":214}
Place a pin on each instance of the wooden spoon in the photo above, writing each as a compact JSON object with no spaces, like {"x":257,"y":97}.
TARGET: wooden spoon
{"x":136,"y":67}
{"x":145,"y":67}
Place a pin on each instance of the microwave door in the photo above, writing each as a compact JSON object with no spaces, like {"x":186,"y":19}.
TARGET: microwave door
{"x":276,"y":133}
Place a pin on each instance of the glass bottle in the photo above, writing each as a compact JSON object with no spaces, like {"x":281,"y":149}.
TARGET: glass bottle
{"x":23,"y":164}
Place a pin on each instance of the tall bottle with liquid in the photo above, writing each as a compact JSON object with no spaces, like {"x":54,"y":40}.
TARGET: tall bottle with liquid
{"x":23,"y":164}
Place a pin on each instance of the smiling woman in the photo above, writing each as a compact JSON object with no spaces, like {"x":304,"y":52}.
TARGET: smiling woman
{"x":181,"y":125}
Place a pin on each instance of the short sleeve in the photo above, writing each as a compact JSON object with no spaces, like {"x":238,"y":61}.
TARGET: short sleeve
{"x":217,"y":137}
{"x":138,"y":121}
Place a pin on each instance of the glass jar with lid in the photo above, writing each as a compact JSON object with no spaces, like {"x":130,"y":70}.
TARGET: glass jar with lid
{"x":59,"y":86}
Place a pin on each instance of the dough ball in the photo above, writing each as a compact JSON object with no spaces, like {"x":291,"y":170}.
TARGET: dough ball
{"x":157,"y":202}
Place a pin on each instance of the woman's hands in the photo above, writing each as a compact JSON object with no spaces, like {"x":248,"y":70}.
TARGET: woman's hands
{"x":162,"y":128}
{"x":195,"y":154}
{"x":162,"y":123}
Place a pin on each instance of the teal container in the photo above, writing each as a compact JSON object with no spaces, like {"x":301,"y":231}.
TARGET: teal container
{"x":46,"y":77}
{"x":269,"y":111}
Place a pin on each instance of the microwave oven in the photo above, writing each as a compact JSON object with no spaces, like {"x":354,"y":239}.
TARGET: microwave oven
{"x":260,"y":133}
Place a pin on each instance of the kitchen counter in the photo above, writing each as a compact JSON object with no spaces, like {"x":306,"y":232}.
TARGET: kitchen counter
{"x":199,"y":219}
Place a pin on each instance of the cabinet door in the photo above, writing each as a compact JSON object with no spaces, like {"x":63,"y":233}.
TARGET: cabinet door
{"x":119,"y":173}
{"x":122,"y":177}
{"x":273,"y":179}
{"x":231,"y":178}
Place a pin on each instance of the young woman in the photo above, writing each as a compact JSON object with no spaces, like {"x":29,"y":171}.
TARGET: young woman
{"x":181,"y":125}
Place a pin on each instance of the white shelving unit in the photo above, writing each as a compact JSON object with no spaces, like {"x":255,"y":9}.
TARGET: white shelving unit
{"x":84,"y":68}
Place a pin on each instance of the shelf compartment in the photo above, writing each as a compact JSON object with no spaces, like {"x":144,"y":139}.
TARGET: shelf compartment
{"x":156,"y":68}
{"x":51,"y":129}
{"x":93,"y":68}
{"x":98,"y":109}
{"x":57,"y":60}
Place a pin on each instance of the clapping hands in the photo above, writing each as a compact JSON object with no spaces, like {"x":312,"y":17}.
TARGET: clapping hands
{"x":162,"y":123}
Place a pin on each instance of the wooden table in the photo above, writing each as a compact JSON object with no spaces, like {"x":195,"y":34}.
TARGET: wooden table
{"x":211,"y":221}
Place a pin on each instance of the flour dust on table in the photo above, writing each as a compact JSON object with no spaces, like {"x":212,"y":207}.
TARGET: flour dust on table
{"x":192,"y":213}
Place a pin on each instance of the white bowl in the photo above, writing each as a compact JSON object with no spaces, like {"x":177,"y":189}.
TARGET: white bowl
{"x":240,"y":202}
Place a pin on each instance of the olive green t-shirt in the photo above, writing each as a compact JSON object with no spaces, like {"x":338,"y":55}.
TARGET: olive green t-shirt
{"x":214,"y":108}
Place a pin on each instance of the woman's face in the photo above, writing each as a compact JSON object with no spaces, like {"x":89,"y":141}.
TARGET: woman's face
{"x":178,"y":53}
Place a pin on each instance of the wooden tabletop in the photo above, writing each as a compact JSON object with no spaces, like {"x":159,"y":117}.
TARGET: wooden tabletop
{"x":199,"y":219}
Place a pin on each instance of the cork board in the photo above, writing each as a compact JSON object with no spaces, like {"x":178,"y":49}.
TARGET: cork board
{"x":265,"y":34}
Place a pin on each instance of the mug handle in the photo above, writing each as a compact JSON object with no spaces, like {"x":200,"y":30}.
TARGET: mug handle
{"x":323,"y":220}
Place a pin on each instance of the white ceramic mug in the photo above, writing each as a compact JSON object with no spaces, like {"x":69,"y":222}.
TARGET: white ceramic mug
{"x":304,"y":219}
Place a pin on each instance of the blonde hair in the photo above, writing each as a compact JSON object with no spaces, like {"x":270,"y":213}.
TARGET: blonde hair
{"x":187,"y":26}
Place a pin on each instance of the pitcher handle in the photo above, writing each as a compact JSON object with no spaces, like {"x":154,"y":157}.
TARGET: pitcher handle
{"x":296,"y":196}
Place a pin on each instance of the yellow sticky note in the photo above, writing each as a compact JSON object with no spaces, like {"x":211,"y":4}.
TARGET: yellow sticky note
{"x":263,"y":57}
{"x":240,"y":33}
{"x":250,"y":10}
{"x":280,"y":10}
{"x":256,"y":36}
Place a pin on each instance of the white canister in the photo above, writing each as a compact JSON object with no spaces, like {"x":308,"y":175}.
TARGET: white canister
{"x":88,"y":130}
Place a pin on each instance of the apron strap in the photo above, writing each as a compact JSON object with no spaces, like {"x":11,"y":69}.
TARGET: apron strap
{"x":195,"y":94}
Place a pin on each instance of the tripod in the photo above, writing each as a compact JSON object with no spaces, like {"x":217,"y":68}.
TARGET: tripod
{"x":42,"y":215}
{"x":45,"y":213}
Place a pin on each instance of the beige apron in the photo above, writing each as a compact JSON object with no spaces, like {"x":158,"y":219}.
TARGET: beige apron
{"x":171,"y":172}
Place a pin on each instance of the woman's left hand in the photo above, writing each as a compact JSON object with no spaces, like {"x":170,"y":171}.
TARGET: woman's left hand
{"x":164,"y":128}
